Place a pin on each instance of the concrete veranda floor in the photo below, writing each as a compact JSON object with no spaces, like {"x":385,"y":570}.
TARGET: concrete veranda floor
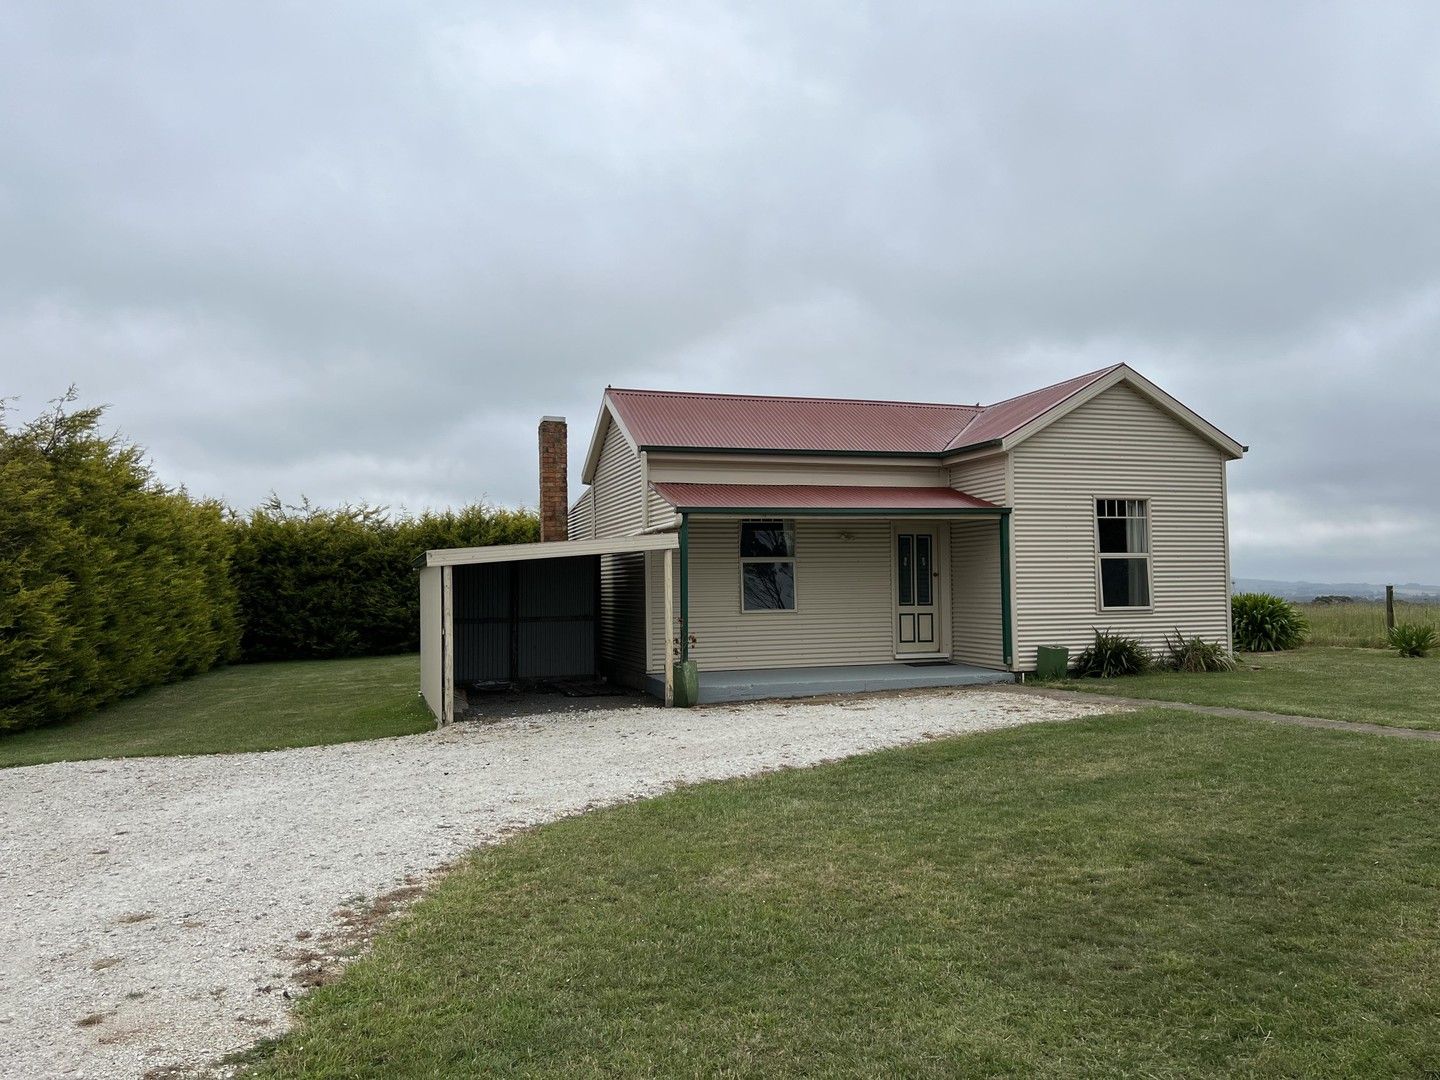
{"x":756,"y":684}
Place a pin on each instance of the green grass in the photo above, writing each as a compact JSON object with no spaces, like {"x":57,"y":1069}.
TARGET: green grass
{"x":1158,"y":894}
{"x":1363,"y":685}
{"x":247,"y":707}
{"x":1361,"y":626}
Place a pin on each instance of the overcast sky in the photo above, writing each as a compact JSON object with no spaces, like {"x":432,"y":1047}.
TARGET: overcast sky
{"x":355,"y":251}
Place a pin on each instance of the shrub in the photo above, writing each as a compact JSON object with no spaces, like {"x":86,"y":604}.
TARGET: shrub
{"x":1196,"y":654}
{"x":109,"y":581}
{"x":1110,"y":655}
{"x":1413,"y":639}
{"x":1265,"y":623}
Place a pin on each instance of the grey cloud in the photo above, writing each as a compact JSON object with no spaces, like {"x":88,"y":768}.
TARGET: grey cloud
{"x":355,"y":251}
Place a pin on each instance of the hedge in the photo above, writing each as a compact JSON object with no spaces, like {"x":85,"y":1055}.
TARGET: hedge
{"x":109,"y":581}
{"x":316,"y":583}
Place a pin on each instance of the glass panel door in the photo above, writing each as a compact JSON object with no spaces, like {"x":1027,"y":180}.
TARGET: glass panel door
{"x":916,"y":616}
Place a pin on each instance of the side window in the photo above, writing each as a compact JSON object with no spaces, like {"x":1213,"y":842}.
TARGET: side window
{"x":767,"y":565}
{"x":1122,"y":532}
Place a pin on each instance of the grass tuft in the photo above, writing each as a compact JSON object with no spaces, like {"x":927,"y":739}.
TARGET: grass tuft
{"x":1265,"y":623}
{"x":1413,"y":640}
{"x":1112,"y":655}
{"x":1195,"y":655}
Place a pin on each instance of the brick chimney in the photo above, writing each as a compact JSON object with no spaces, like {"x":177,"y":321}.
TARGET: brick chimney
{"x":554,"y":480}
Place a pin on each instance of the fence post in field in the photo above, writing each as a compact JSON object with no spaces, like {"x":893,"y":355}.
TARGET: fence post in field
{"x":1389,"y":609}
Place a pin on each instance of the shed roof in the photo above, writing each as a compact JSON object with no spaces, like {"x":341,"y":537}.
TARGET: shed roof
{"x":821,"y":497}
{"x":547,"y":549}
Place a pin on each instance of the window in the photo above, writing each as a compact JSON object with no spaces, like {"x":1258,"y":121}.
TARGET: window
{"x":767,"y":565}
{"x":1122,"y":531}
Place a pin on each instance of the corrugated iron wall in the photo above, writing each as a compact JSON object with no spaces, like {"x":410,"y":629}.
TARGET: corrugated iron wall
{"x":556,"y":608}
{"x":527,"y":620}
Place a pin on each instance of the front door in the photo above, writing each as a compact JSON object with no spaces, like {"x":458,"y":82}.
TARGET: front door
{"x":917,"y":586}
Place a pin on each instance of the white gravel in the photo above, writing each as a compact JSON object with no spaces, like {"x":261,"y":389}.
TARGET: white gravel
{"x":159,"y":899}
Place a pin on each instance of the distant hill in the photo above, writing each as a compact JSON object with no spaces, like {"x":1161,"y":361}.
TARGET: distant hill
{"x":1308,"y":590}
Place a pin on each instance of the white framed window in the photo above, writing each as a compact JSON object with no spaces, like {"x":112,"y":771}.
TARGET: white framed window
{"x":1122,"y":552}
{"x":767,"y":566}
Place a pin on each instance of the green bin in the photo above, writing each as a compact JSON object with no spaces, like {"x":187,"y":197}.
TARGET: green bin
{"x":687,"y":684}
{"x":1052,"y":662}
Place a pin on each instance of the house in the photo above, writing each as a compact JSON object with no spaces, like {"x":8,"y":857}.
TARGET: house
{"x":814,"y":544}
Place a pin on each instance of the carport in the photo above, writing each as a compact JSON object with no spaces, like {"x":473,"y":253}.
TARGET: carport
{"x":517,"y":612}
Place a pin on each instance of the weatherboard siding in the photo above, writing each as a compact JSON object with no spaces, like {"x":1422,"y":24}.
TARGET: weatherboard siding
{"x":660,"y":511}
{"x":986,"y":478}
{"x":740,"y":469}
{"x":975,"y":593}
{"x":615,"y":496}
{"x":582,"y":517}
{"x":1116,"y":446}
{"x":616,"y":489}
{"x":844,"y":608}
{"x":655,"y":608}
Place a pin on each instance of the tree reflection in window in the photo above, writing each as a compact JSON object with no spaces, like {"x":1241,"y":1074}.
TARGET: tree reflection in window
{"x":767,"y":565}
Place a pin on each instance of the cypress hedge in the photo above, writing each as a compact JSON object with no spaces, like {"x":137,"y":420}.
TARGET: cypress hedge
{"x":316,"y":583}
{"x":109,"y":581}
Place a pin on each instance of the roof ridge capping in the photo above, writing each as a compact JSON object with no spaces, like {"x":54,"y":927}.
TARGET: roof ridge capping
{"x":1048,"y":394}
{"x":795,"y":397}
{"x":1098,"y":373}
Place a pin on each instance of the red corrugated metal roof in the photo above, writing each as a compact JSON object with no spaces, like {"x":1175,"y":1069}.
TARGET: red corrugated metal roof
{"x":665,"y":418}
{"x":826,"y":425}
{"x":815,"y":497}
{"x":1005,"y":417}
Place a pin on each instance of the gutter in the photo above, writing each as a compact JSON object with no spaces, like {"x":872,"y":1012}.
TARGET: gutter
{"x":827,"y":511}
{"x":648,"y":447}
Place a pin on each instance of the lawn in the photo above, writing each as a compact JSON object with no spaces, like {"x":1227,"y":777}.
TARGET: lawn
{"x":1155,"y":894}
{"x":246,"y":707}
{"x":1367,"y":685}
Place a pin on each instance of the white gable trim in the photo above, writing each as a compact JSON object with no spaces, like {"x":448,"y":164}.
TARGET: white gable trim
{"x":1146,"y":389}
{"x":607,"y":416}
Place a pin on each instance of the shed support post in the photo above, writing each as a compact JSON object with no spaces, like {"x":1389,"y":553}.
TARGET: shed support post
{"x":447,"y":638}
{"x":1007,"y":645}
{"x":668,"y":657}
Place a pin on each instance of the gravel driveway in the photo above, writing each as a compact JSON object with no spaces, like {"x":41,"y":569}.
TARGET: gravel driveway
{"x":158,"y":911}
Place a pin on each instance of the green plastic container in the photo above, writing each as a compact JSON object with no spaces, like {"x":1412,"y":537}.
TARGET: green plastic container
{"x":687,"y":684}
{"x":1052,"y":662}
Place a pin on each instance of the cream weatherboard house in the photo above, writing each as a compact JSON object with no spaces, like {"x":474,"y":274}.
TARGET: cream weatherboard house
{"x":801,"y":545}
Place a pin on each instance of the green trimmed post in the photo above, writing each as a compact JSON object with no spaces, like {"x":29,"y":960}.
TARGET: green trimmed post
{"x":1007,"y":646}
{"x":684,"y":587}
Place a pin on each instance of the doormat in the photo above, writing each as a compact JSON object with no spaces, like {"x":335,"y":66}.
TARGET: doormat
{"x":928,"y":663}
